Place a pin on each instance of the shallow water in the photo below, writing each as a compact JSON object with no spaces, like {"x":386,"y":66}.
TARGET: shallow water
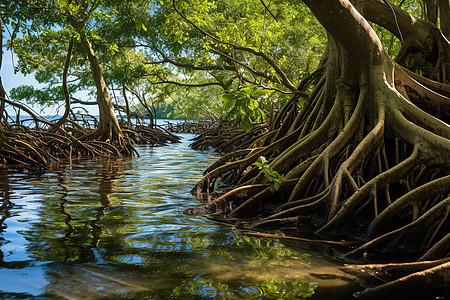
{"x":104,"y":228}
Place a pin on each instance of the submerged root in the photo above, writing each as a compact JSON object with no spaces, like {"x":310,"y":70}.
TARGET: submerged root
{"x":396,"y":279}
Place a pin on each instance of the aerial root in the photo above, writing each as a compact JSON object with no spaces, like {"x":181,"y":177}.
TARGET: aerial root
{"x":440,"y":249}
{"x":426,"y":280}
{"x":396,"y":278}
{"x":226,"y":203}
{"x":307,"y":206}
{"x":358,"y":152}
{"x":364,"y":148}
{"x":39,"y":148}
{"x":230,"y":132}
{"x":334,"y":148}
{"x":229,"y":164}
{"x":258,"y":199}
{"x":414,"y":198}
{"x":300,"y":239}
{"x":383,"y":179}
{"x":230,"y":157}
{"x":417,"y":228}
{"x":206,"y":184}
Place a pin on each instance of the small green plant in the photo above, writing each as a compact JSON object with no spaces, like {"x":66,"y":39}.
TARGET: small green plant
{"x":271,"y":176}
{"x":245,"y":104}
{"x":409,"y":62}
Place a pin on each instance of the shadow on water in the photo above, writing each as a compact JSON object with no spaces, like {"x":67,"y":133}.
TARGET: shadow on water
{"x":105,"y":228}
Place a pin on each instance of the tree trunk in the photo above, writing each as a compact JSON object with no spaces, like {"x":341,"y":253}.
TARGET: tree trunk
{"x":63,"y":119}
{"x":149,"y":111}
{"x":423,"y":48}
{"x":109,"y":129}
{"x":127,"y":104}
{"x":371,"y":143}
{"x":431,"y":7}
{"x":2,"y":90}
{"x":444,"y":13}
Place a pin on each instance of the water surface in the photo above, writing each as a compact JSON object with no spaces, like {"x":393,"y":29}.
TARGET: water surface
{"x":103,"y":228}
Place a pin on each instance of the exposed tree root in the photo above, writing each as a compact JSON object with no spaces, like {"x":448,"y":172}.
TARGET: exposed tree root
{"x":225,"y":137}
{"x":396,"y":279}
{"x":195,"y":127}
{"x":40,"y":147}
{"x":370,"y":147}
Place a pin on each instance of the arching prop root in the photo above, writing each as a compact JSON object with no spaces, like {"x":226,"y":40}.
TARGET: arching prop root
{"x":226,"y":137}
{"x":371,"y":146}
{"x":427,"y":278}
{"x":225,"y":203}
{"x":140,"y":134}
{"x":366,"y":155}
{"x":195,"y":127}
{"x":40,"y":147}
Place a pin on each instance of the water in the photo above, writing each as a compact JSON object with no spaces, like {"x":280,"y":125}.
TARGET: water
{"x":102,"y":228}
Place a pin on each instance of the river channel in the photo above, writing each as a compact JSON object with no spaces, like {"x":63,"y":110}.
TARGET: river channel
{"x":115,"y":229}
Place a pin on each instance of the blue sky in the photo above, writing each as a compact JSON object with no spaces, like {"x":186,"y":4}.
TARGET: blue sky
{"x":11,"y":80}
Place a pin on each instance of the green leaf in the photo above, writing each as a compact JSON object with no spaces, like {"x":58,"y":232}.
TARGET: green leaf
{"x":226,"y":97}
{"x":228,"y":101}
{"x":246,"y":124}
{"x":228,"y":104}
{"x":247,"y":91}
{"x":263,"y":115}
{"x":276,"y":185}
{"x":258,"y":94}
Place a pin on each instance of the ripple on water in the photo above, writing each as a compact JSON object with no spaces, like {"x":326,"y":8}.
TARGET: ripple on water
{"x":116,"y":229}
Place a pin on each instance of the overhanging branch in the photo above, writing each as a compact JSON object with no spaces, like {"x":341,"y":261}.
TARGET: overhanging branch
{"x":193,"y":66}
{"x":188,"y":84}
{"x":264,"y":56}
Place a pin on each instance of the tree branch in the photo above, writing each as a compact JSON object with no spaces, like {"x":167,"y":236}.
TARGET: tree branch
{"x":192,"y":66}
{"x":189,"y":84}
{"x":264,"y":56}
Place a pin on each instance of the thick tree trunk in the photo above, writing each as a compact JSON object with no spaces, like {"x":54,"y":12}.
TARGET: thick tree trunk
{"x":371,"y":143}
{"x":431,"y":9}
{"x":109,"y":128}
{"x":444,"y":13}
{"x":424,"y":47}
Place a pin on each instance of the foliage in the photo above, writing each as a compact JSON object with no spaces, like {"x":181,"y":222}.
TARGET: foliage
{"x":153,"y":31}
{"x":271,"y":175}
{"x":293,"y":40}
{"x":244,"y":104}
{"x":390,"y":42}
{"x":133,"y":39}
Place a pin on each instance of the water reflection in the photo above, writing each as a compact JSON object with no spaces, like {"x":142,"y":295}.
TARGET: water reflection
{"x":5,"y":206}
{"x":115,"y":228}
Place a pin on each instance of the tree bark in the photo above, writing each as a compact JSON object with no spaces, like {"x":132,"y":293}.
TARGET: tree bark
{"x":127,"y":104}
{"x":361,"y":145}
{"x":2,"y":90}
{"x":109,"y":128}
{"x":423,"y":48}
{"x":444,"y":13}
{"x":65,"y":88}
{"x":431,"y":7}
